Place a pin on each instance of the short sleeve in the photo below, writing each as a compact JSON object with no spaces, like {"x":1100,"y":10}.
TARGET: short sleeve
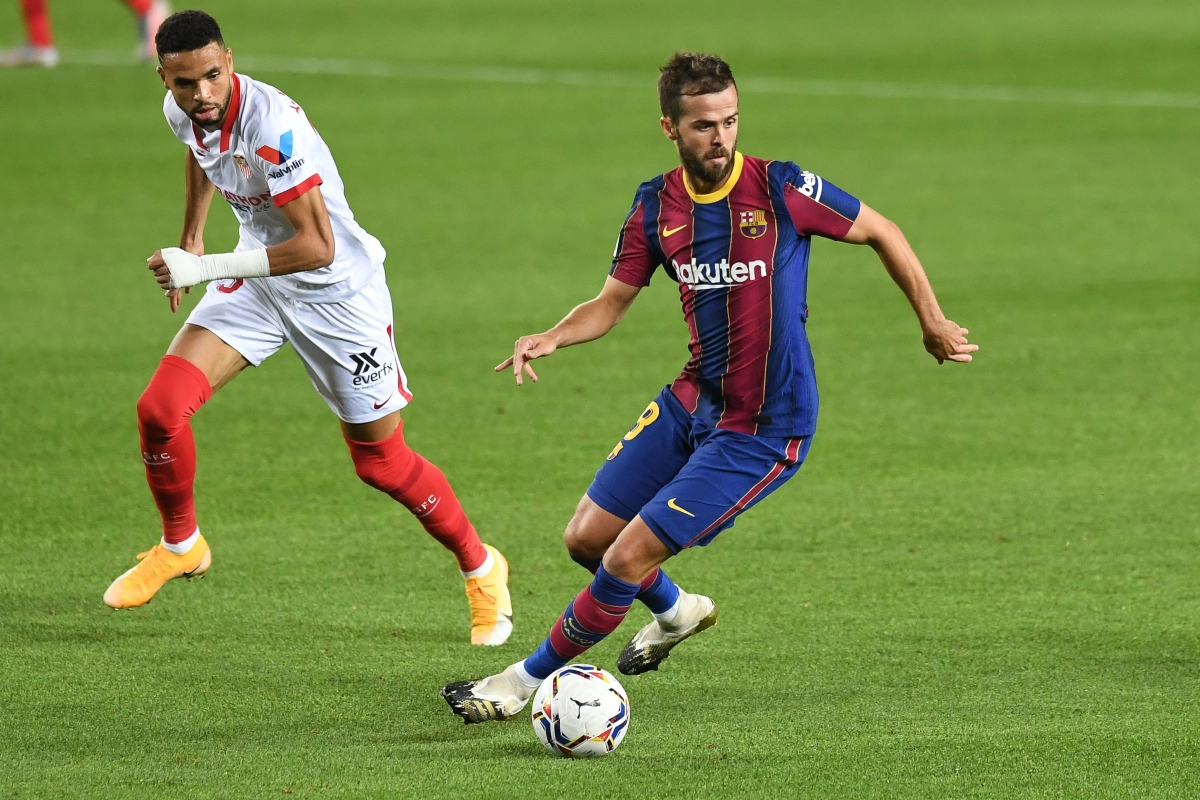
{"x":288,"y":148}
{"x":634,"y":261}
{"x":816,"y":206}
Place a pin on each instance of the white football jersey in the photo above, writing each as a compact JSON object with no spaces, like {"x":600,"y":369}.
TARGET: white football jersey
{"x":265,"y":155}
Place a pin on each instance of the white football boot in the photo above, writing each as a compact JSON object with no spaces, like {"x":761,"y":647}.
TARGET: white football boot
{"x":653,"y":643}
{"x":489,"y":699}
{"x":28,"y":55}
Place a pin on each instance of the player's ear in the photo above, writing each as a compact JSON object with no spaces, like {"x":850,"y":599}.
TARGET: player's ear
{"x":229,"y":60}
{"x":668,"y":128}
{"x":162,"y":76}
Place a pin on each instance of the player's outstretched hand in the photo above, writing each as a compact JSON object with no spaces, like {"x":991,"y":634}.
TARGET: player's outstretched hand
{"x":947,"y":341}
{"x":526,"y":349}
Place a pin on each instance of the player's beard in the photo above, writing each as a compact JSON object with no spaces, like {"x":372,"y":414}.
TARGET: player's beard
{"x":212,"y":126}
{"x":702,"y":170}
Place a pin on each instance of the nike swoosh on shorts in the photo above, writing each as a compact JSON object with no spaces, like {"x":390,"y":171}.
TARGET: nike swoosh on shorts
{"x":672,"y":504}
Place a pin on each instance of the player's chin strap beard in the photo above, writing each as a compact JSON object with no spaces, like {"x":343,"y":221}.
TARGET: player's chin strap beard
{"x":696,"y":169}
{"x":224,"y":113}
{"x":216,"y":124}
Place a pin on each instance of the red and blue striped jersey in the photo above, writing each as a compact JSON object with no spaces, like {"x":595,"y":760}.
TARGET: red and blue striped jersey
{"x":740,"y":257}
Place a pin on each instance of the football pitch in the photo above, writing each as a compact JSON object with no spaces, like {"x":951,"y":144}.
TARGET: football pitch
{"x":984,"y":582}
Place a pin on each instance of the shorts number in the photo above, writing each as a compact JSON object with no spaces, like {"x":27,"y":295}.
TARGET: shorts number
{"x":648,"y":416}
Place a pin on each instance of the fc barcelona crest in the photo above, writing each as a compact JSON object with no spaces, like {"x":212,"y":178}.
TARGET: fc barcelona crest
{"x":242,"y":165}
{"x":753,"y":223}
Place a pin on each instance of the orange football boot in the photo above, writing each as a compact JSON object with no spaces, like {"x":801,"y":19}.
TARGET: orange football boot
{"x":157,"y":566}
{"x":491,"y":604}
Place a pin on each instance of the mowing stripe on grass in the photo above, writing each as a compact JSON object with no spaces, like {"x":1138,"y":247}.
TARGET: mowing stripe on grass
{"x":543,"y":77}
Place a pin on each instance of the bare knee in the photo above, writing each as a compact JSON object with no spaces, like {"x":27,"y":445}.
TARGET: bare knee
{"x":635,"y":553}
{"x":578,"y":541}
{"x":591,"y":530}
{"x":621,"y":563}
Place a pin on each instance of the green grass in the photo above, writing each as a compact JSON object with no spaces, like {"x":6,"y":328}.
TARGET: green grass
{"x":984,"y":582}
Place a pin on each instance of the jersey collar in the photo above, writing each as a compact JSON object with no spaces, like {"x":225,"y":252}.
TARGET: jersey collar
{"x":719,"y":194}
{"x":235,"y":105}
{"x":198,"y":135}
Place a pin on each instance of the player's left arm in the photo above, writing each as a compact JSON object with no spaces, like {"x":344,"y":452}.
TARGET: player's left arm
{"x":311,"y":248}
{"x":313,"y":245}
{"x":944,"y":339}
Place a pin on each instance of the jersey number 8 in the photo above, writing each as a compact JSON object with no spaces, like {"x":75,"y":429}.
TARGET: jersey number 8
{"x":648,"y":416}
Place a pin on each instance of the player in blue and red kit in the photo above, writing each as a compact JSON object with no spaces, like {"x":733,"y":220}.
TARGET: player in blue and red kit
{"x":734,"y":232}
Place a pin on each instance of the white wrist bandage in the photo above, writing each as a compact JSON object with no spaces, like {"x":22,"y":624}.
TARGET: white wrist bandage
{"x":188,"y":269}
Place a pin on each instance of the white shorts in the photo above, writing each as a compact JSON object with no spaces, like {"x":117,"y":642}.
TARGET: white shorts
{"x":347,"y":347}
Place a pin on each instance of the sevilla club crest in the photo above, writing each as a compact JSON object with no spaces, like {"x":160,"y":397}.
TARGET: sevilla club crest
{"x":753,"y":223}
{"x":242,"y":165}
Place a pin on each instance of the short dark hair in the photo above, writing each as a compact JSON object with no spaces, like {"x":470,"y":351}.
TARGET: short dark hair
{"x":689,"y":74}
{"x":187,"y":31}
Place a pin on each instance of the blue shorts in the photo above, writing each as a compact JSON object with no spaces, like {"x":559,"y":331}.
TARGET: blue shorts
{"x":688,"y":480}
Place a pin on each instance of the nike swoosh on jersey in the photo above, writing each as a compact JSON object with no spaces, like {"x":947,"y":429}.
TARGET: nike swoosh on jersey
{"x":672,"y":231}
{"x":385,"y":402}
{"x":672,"y":504}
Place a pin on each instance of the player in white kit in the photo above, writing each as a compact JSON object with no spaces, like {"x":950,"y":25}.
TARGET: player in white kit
{"x":303,"y":272}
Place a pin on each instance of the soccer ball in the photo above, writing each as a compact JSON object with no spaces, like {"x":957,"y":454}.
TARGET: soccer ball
{"x":580,"y":711}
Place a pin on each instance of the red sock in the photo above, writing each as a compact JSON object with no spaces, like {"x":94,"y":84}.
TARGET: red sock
{"x":394,"y":469}
{"x":139,"y":7}
{"x":37,"y":23}
{"x":175,"y":393}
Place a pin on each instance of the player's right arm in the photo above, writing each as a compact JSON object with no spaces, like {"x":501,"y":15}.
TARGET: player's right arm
{"x":634,"y":261}
{"x":199,"y":190}
{"x":587,"y":321}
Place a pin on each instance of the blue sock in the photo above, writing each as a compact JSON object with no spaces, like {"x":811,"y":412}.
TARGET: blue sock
{"x":593,"y":614}
{"x":659,"y":596}
{"x":609,"y":590}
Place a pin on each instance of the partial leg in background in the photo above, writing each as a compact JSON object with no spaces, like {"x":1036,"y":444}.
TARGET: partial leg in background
{"x":38,"y":50}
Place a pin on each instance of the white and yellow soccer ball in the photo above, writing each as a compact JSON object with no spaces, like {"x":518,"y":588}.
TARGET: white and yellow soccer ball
{"x":580,"y":711}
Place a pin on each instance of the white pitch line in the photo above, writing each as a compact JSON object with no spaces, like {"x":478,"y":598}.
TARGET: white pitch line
{"x":551,"y":77}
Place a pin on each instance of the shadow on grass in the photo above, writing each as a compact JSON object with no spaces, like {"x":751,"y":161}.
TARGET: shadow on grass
{"x":55,"y":628}
{"x":527,"y":750}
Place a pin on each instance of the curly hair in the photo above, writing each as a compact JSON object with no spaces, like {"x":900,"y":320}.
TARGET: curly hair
{"x":187,"y":31}
{"x":689,"y":74}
